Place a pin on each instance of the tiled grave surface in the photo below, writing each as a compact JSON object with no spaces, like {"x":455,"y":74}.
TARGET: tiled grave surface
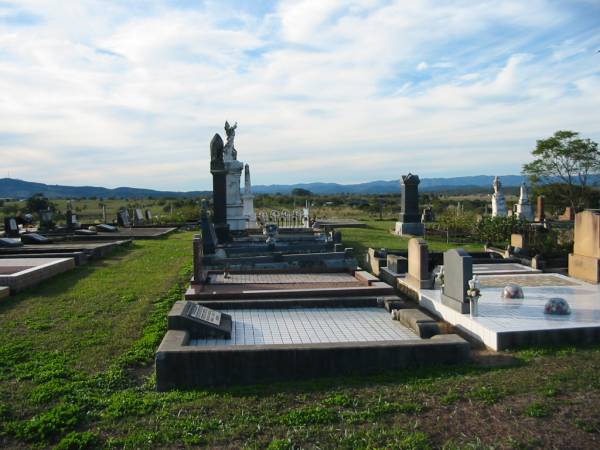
{"x":508,"y":268}
{"x":281,"y":278}
{"x":498,"y":316}
{"x":528,"y":280}
{"x":310,"y":325}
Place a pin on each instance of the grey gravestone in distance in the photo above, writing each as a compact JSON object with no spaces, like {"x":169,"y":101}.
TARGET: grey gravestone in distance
{"x":458,"y":270}
{"x":11,"y":229}
{"x":410,"y":217}
{"x":123,"y":218}
{"x":148,"y":214}
{"x":46,"y":219}
{"x":72,"y":223}
{"x":139,"y":216}
{"x":199,"y":321}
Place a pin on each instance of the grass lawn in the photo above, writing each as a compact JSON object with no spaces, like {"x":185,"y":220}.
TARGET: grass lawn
{"x":377,"y":235}
{"x":76,"y":371}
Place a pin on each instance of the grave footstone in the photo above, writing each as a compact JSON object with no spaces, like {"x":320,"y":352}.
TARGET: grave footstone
{"x":458,"y":270}
{"x":199,"y":321}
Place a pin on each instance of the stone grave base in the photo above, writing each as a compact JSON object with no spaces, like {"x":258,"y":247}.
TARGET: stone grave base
{"x":279,"y":344}
{"x":508,"y":323}
{"x":410,"y":229}
{"x":21,"y":273}
{"x":585,"y":268}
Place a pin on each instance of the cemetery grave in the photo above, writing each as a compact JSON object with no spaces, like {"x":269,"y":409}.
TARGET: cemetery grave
{"x":21,"y":273}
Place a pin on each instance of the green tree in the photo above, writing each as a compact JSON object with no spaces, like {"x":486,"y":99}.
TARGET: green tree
{"x":301,"y":192}
{"x":566,"y":157}
{"x":37,"y":203}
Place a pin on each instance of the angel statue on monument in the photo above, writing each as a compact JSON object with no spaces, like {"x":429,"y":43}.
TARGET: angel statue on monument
{"x":230,"y":132}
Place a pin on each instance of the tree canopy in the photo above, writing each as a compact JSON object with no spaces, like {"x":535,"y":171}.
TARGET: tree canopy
{"x":566,"y":157}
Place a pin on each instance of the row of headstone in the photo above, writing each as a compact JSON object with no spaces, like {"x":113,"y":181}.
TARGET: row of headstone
{"x":284,"y":218}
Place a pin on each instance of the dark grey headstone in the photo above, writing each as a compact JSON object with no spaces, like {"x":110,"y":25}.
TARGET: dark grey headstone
{"x":199,"y":321}
{"x":138,"y":216}
{"x":397,"y":264}
{"x":123,"y":218}
{"x":11,"y":228}
{"x":410,"y":199}
{"x":46,"y":219}
{"x":34,"y":238}
{"x":458,"y":270}
{"x":148,"y":214}
{"x":217,"y":169}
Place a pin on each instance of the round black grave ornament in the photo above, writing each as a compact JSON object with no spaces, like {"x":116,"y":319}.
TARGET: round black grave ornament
{"x":557,"y":306}
{"x":512,"y":291}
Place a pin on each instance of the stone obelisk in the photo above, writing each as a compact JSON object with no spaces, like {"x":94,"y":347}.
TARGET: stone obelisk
{"x":248,"y":200}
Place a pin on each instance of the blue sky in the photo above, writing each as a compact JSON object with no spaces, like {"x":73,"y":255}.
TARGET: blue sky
{"x":119,"y":93}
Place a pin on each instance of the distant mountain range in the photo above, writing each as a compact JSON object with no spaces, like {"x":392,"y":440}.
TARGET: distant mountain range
{"x":393,"y":186}
{"x":12,"y":188}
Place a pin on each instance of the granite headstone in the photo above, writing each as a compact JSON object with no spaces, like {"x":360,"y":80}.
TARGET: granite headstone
{"x":458,"y":270}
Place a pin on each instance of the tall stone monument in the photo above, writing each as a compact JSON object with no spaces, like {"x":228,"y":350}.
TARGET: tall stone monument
{"x":524,"y":209}
{"x":584,"y":262}
{"x":233,"y":174}
{"x":498,"y":200}
{"x":248,"y":200}
{"x":218,"y":171}
{"x":410,"y":217}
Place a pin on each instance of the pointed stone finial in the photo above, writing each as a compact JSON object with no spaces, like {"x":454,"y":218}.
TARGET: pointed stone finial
{"x":247,"y":184}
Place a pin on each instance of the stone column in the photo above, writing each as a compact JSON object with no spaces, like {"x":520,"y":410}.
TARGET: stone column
{"x":540,"y":213}
{"x":248,"y":200}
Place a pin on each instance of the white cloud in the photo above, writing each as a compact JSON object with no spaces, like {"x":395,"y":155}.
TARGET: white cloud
{"x":115,"y":94}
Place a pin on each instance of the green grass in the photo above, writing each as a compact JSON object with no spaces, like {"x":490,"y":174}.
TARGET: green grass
{"x":76,"y":371}
{"x":377,"y":235}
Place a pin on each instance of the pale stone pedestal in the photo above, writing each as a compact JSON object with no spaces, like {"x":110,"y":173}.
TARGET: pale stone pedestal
{"x":586,"y":268}
{"x":418,"y":276}
{"x":411,"y":229}
{"x":584,"y":262}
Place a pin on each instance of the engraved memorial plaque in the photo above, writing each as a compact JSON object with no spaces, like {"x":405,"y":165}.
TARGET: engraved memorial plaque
{"x":204,"y":314}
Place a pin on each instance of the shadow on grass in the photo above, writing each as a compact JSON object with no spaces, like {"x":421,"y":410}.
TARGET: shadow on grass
{"x":422,"y":376}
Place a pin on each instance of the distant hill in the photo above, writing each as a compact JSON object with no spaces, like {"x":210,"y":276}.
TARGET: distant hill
{"x":393,"y":186}
{"x":11,"y":188}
